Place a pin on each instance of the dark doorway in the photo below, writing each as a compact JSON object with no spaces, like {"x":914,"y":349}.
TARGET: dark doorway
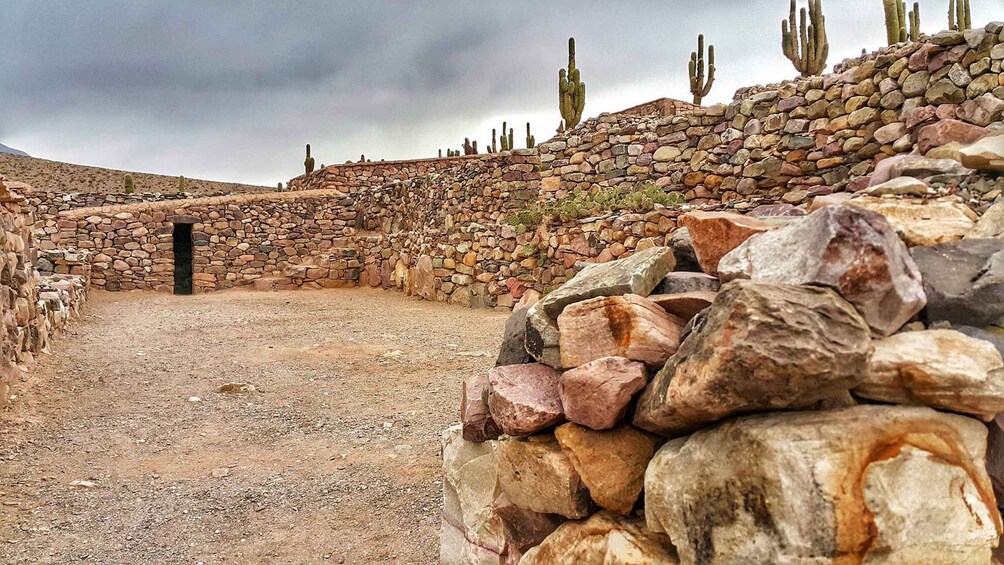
{"x":183,"y":258}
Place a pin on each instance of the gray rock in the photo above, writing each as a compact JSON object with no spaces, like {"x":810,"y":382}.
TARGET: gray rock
{"x":513,"y":350}
{"x":760,"y":346}
{"x":683,"y":249}
{"x":682,"y":282}
{"x":848,"y":249}
{"x":542,"y":337}
{"x":990,"y":225}
{"x":964,"y":281}
{"x":996,"y":338}
{"x":638,"y":274}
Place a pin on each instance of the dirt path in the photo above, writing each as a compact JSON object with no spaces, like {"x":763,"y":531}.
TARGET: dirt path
{"x":334,"y":460}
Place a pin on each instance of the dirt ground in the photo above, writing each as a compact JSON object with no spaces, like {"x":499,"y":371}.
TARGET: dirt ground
{"x":107,"y":457}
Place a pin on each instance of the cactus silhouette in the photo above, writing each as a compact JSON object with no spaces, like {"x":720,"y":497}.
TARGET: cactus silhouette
{"x":469,"y":147}
{"x":806,"y":46}
{"x":571,"y":90}
{"x":698,"y":86}
{"x":531,"y":141}
{"x":181,"y":184}
{"x":308,"y":163}
{"x":129,"y":186}
{"x":507,"y":138}
{"x":897,"y":19}
{"x":959,"y":16}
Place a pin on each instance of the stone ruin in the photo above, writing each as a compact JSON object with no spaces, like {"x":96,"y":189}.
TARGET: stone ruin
{"x":822,"y":391}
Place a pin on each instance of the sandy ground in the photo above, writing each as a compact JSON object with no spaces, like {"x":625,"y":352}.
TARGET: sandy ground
{"x":105,"y":458}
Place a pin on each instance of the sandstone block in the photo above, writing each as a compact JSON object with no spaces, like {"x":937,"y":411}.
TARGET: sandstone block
{"x":618,"y":326}
{"x":990,"y":224}
{"x":637,"y":274}
{"x":597,"y":395}
{"x":846,"y":248}
{"x":938,"y":368}
{"x":714,"y":234}
{"x":986,"y":154}
{"x":603,"y":539}
{"x":524,"y":399}
{"x":761,"y":346}
{"x":679,"y":283}
{"x":947,"y":131}
{"x":685,"y":305}
{"x":536,"y":475}
{"x":922,"y":222}
{"x":478,"y":425}
{"x":828,"y":487}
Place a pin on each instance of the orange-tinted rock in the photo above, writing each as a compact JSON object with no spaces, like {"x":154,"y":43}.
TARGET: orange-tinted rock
{"x":611,"y":463}
{"x":598,"y":394}
{"x":685,"y":305}
{"x":603,"y":539}
{"x":947,"y":131}
{"x":523,"y":399}
{"x":536,"y":475}
{"x":618,"y":326}
{"x":714,"y":234}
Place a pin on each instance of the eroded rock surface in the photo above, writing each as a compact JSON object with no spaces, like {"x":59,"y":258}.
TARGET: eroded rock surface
{"x":761,"y":346}
{"x":603,"y":539}
{"x":828,"y":487}
{"x":535,"y":474}
{"x":597,"y":395}
{"x":922,"y":222}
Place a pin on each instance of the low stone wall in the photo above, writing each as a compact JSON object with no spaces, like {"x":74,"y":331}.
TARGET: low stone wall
{"x":350,"y":177}
{"x":236,"y":239}
{"x":798,"y":139}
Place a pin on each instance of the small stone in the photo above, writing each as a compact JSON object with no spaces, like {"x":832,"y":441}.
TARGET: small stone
{"x":618,"y":326}
{"x":237,"y":388}
{"x":761,"y":346}
{"x":611,"y":463}
{"x":597,"y":395}
{"x":990,"y":225}
{"x":942,"y":369}
{"x":714,"y":234}
{"x":679,"y":283}
{"x":523,"y":399}
{"x":900,"y":186}
{"x":685,"y":305}
{"x":537,"y":475}
{"x":220,"y":472}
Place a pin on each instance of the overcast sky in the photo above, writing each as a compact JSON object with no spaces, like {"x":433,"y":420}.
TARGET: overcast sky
{"x":233,"y":90}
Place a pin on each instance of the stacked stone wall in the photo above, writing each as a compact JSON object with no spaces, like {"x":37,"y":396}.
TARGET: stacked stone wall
{"x":351,"y":177}
{"x":795,"y":140}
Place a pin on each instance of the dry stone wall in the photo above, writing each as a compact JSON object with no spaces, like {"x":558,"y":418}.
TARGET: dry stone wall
{"x":795,"y":140}
{"x":350,"y":177}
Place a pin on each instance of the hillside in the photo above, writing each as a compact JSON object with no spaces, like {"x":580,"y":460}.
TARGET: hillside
{"x":46,"y":175}
{"x":12,"y":151}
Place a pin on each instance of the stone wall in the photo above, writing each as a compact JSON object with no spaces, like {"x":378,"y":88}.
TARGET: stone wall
{"x":798,"y":139}
{"x":350,"y":177}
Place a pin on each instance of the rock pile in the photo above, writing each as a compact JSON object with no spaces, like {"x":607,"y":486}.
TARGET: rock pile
{"x":820,"y":394}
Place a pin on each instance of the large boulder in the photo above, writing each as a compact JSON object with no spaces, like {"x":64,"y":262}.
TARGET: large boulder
{"x":761,"y":346}
{"x":986,"y":154}
{"x":868,"y":484}
{"x":948,"y":131}
{"x":603,"y":539}
{"x":597,"y":395}
{"x":479,"y":524}
{"x":618,"y":326}
{"x":542,"y":341}
{"x":922,"y":222}
{"x":964,"y":281}
{"x":478,"y":424}
{"x":938,"y":368}
{"x":990,"y":224}
{"x":611,"y":463}
{"x":848,"y":249}
{"x":513,"y":349}
{"x":638,"y":274}
{"x":536,"y":475}
{"x":714,"y":234}
{"x":524,"y":399}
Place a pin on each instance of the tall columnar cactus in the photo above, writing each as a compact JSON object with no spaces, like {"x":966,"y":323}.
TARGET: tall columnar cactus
{"x":469,"y":147}
{"x":494,"y":148}
{"x":508,"y":142}
{"x":129,"y":186}
{"x":806,"y":46}
{"x":698,"y":86}
{"x":897,"y":19}
{"x":531,"y":141}
{"x":308,"y":163}
{"x":959,"y":16}
{"x":571,"y":90}
{"x":181,"y":184}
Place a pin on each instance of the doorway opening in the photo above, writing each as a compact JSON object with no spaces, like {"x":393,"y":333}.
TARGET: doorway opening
{"x":183,"y":258}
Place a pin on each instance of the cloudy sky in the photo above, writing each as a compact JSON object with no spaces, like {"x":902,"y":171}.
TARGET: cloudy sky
{"x":233,"y":90}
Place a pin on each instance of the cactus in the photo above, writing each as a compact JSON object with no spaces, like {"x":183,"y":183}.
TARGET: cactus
{"x":806,"y":47}
{"x":571,"y":90}
{"x":531,"y":141}
{"x":129,"y":186}
{"x":698,"y":87}
{"x":469,"y":147}
{"x":181,"y":184}
{"x":362,"y":158}
{"x":896,"y":20}
{"x":508,"y":142}
{"x":959,"y":16}
{"x":493,"y":148}
{"x":279,"y":187}
{"x":308,"y":163}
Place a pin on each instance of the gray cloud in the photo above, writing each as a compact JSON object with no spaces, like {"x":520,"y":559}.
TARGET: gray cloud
{"x":232,"y":90}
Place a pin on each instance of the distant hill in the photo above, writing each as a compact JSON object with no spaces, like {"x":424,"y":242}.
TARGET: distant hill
{"x":12,"y":151}
{"x":55,"y":176}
